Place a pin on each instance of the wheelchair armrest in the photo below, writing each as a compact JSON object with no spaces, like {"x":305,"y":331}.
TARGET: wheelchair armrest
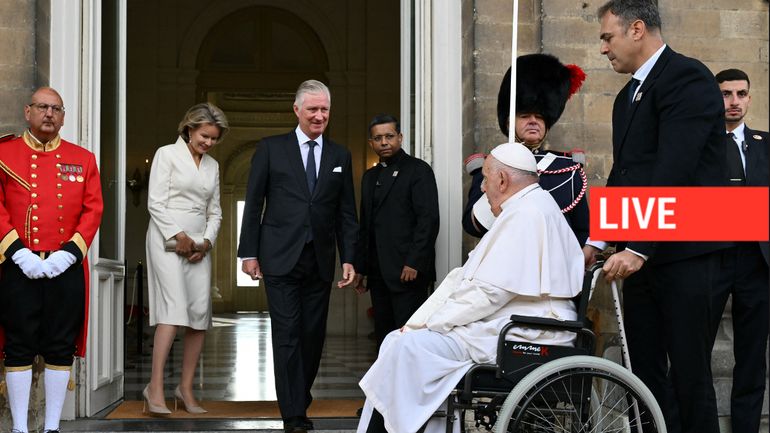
{"x":543,"y":322}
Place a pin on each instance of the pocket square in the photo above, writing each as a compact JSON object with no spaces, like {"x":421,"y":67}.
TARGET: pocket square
{"x":337,"y":170}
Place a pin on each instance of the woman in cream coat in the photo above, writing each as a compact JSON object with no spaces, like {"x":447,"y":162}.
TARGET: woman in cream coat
{"x":185,"y":215}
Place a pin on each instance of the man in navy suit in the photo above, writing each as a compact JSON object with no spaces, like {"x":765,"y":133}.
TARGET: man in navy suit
{"x":667,"y":130}
{"x":399,"y":225}
{"x":744,"y":268}
{"x":304,"y":184}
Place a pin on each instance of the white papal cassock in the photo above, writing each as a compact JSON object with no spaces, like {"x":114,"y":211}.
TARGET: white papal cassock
{"x":529,"y":263}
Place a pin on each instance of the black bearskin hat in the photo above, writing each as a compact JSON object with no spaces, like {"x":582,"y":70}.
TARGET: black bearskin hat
{"x":543,"y":85}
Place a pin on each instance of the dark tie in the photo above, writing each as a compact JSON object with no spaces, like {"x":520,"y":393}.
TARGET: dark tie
{"x":632,"y":89}
{"x":311,"y":178}
{"x":310,"y":166}
{"x":734,"y":164}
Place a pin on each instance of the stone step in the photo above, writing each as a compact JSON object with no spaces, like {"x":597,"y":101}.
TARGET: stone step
{"x":203,"y":431}
{"x":322,"y":425}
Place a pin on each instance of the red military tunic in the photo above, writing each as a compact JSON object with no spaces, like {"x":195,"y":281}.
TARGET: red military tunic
{"x":50,"y":199}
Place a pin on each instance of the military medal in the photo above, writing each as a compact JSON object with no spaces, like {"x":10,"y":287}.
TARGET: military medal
{"x":67,"y":172}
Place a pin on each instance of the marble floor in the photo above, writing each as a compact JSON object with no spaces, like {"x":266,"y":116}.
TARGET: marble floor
{"x":237,"y":364}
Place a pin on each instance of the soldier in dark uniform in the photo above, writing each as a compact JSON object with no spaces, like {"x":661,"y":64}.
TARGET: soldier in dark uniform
{"x":543,"y":86}
{"x":50,"y":208}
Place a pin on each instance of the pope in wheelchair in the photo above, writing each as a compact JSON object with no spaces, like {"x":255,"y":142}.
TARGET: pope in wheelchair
{"x":529,"y":263}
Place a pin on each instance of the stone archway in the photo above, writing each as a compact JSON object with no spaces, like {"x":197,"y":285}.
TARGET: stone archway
{"x":307,"y":11}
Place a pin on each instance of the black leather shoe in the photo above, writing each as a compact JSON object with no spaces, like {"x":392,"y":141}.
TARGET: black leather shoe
{"x":295,"y":424}
{"x":307,"y":424}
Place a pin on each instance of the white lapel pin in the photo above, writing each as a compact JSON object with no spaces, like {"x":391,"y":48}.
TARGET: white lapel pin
{"x":757,"y":137}
{"x":638,"y":97}
{"x":395,"y":173}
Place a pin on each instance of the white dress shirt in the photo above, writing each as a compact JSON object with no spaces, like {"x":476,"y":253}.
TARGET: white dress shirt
{"x":739,"y":136}
{"x":302,"y":139}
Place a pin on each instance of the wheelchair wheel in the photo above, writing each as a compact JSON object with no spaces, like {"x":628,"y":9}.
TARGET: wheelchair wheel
{"x":580,"y":394}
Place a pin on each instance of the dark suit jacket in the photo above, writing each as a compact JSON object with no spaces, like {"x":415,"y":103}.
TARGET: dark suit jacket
{"x":757,"y":170}
{"x":405,"y":223}
{"x":671,"y":135}
{"x":277,"y":185}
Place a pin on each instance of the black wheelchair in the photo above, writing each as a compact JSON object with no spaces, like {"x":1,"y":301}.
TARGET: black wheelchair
{"x":536,"y":388}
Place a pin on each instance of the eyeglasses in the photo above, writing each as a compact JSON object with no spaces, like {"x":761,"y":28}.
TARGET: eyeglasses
{"x":381,"y":138}
{"x":43,"y":108}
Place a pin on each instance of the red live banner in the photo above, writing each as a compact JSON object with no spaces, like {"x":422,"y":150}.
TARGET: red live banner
{"x":679,"y":213}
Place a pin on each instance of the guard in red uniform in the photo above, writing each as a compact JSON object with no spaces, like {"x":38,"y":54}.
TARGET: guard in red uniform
{"x":50,"y":208}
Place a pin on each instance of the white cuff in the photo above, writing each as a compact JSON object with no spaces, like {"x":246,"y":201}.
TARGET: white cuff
{"x":601,"y":245}
{"x":645,"y":257}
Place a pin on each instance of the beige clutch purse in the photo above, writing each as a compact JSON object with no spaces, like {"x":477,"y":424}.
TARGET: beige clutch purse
{"x":170,"y":245}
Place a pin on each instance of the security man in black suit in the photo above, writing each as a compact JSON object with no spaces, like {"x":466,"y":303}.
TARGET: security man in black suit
{"x":399,"y":225}
{"x":667,"y":130}
{"x":744,"y":267}
{"x":304,"y":183}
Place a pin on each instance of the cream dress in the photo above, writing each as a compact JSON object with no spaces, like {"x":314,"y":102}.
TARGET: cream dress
{"x":181,"y":197}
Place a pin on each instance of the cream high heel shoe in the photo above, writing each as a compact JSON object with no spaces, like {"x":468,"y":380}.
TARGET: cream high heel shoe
{"x":195,"y":410}
{"x":152,"y":409}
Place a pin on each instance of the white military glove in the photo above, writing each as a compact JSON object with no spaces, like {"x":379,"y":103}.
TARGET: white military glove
{"x":30,"y":263}
{"x":58,"y":262}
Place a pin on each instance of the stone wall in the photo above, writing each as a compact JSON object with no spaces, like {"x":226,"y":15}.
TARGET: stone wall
{"x":43,"y":42}
{"x":17,"y":61}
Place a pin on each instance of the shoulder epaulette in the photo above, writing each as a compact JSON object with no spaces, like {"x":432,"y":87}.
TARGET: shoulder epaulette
{"x":579,"y":156}
{"x":6,"y":137}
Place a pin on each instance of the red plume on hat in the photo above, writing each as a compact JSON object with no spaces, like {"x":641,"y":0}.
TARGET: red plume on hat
{"x":576,"y":78}
{"x":543,"y":86}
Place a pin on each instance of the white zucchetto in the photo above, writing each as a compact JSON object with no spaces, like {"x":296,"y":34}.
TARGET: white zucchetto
{"x":515,"y":155}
